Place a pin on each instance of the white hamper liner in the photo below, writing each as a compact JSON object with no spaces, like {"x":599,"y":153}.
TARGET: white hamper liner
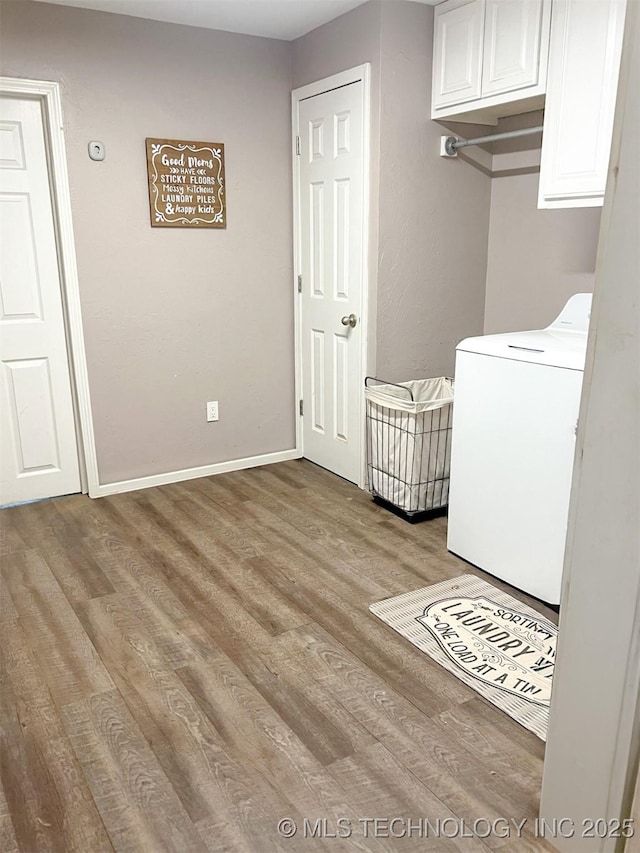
{"x":410,"y":443}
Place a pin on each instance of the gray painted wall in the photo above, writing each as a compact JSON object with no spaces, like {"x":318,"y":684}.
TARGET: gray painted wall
{"x":173,"y":317}
{"x":434,"y":214}
{"x":537,"y":259}
{"x":350,"y":40}
{"x":430,"y":274}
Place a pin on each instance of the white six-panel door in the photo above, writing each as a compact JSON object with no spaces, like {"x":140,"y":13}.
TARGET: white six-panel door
{"x":38,"y":447}
{"x":331,"y":230}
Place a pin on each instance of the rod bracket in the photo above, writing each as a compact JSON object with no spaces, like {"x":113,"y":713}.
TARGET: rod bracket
{"x":447,"y":148}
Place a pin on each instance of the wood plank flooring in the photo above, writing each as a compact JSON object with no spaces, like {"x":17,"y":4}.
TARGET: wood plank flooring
{"x":184,"y":667}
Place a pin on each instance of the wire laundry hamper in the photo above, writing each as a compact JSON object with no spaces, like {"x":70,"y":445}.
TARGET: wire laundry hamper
{"x":409,"y":427}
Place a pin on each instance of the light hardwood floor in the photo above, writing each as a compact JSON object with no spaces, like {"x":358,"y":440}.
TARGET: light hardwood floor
{"x":183,"y":667}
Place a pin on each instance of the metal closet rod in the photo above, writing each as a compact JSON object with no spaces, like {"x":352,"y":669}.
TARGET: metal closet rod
{"x":453,"y":143}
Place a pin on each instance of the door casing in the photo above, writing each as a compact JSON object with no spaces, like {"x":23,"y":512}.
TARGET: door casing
{"x":48,"y":93}
{"x":335,"y":81}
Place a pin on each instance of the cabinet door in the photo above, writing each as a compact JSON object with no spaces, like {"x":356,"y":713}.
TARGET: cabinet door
{"x":584,"y":62}
{"x":511,"y":45}
{"x":457,"y":61}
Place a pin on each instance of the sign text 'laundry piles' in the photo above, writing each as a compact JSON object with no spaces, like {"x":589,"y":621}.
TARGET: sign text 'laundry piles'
{"x":186,"y":183}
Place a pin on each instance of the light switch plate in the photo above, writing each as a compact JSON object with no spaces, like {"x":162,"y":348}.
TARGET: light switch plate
{"x":96,"y":150}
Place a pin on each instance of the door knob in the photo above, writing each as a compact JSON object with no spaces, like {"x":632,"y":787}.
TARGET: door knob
{"x":350,"y":320}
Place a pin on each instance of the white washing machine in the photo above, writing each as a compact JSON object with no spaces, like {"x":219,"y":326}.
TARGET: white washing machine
{"x":515,"y":414}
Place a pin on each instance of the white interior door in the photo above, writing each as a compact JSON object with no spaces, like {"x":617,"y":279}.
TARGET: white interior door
{"x":331,"y":210}
{"x":38,"y":451}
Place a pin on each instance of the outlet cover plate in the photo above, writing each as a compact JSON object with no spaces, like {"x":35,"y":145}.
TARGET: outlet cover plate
{"x":212,"y":411}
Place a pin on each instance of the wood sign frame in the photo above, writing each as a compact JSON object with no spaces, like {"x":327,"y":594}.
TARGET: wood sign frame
{"x":186,"y":184}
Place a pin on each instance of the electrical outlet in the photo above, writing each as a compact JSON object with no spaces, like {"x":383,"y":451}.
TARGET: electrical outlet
{"x":212,"y":411}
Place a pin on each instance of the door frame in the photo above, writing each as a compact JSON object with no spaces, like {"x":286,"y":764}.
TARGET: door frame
{"x":318,"y":87}
{"x":48,"y":93}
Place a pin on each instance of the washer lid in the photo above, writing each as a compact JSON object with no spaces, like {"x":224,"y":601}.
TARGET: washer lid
{"x":554,"y":347}
{"x":575,"y":315}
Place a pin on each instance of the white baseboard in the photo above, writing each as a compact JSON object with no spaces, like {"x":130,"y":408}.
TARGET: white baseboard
{"x":105,"y":489}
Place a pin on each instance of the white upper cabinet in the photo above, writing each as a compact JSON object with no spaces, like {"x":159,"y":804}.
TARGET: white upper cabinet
{"x":457,"y":68}
{"x":511,"y":45}
{"x":487,"y":55}
{"x":584,"y":62}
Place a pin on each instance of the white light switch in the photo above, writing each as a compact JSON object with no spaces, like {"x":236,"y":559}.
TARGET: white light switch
{"x":96,"y":150}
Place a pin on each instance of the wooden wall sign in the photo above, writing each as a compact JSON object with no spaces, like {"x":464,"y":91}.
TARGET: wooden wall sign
{"x":186,"y":184}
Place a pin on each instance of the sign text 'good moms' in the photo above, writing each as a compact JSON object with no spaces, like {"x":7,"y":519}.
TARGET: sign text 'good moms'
{"x":186,"y":184}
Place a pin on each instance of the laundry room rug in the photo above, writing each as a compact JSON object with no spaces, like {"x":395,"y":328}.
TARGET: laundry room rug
{"x":501,"y":648}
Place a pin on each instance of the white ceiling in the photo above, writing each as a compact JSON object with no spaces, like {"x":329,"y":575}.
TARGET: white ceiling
{"x":280,"y":19}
